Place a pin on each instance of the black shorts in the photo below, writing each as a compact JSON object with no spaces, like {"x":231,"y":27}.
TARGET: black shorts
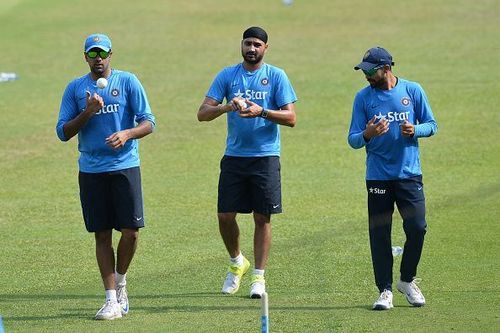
{"x":112,"y":200}
{"x":250,"y":184}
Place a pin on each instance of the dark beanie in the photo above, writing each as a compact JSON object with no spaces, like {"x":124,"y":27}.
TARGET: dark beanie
{"x":256,"y":32}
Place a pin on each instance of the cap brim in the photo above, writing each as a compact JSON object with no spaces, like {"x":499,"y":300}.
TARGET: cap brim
{"x":104,"y":48}
{"x":366,"y":66}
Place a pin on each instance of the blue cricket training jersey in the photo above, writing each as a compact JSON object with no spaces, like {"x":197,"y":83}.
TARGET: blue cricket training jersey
{"x":268,"y":87}
{"x":125,"y":105}
{"x":392,"y":156}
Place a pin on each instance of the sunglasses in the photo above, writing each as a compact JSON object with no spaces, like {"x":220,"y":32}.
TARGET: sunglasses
{"x":372,"y":71}
{"x":92,"y":54}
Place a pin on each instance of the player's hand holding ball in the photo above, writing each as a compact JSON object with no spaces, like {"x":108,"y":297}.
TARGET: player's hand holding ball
{"x":94,"y":102}
{"x":243,"y":104}
{"x":251,"y":111}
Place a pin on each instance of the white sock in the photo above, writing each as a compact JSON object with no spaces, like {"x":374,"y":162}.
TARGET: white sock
{"x":238,"y":260}
{"x":258,"y":272}
{"x":120,"y":279}
{"x":111,"y":295}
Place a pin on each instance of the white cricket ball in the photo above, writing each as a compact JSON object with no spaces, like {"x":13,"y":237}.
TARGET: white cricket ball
{"x":101,"y":83}
{"x":243,"y":104}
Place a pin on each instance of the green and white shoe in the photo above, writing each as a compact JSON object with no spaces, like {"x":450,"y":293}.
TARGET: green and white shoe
{"x":233,"y":277}
{"x":258,"y":286}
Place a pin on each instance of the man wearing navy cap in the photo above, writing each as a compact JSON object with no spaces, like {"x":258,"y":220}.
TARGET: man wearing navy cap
{"x":109,"y":120}
{"x":259,"y":97}
{"x":388,"y":118}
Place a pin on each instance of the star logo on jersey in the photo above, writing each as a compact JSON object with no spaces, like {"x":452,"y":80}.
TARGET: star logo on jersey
{"x":238,"y":94}
{"x":115,"y":92}
{"x":380,"y":116}
{"x":251,"y":94}
{"x":264,"y":81}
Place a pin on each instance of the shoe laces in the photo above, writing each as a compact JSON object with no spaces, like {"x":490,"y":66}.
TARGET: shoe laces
{"x":108,"y":306}
{"x":121,"y":291}
{"x":385,"y":294}
{"x":413,"y":285}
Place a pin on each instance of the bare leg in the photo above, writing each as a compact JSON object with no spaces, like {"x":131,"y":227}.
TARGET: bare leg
{"x":105,"y":258}
{"x":126,"y":249}
{"x":261,"y":239}
{"x":230,"y":233}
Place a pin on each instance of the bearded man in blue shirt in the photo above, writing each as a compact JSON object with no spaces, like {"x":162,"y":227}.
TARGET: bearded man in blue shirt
{"x":388,"y":118}
{"x":109,"y":120}
{"x":259,"y":97}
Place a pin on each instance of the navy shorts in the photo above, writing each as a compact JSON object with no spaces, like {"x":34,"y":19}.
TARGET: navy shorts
{"x":112,"y":200}
{"x":250,"y":184}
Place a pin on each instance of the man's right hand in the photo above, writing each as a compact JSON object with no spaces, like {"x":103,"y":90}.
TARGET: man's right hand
{"x":94,"y":103}
{"x":375,"y":129}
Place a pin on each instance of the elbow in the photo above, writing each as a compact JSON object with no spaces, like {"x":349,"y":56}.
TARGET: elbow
{"x":292,"y":121}
{"x":61,"y":135}
{"x":201,"y":115}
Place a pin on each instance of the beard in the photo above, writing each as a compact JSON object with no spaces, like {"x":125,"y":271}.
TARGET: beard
{"x":252,"y":57}
{"x":377,"y":83}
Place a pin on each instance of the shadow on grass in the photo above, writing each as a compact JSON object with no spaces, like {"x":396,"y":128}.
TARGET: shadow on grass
{"x":86,"y":313}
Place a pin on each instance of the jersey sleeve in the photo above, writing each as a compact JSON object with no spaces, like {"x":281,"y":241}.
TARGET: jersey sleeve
{"x":285,"y":94}
{"x":139,"y":101}
{"x":67,"y":111}
{"x":217,"y":90}
{"x":427,"y":125}
{"x":358,"y":124}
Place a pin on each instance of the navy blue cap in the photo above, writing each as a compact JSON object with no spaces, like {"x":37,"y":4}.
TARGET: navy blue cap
{"x":374,"y":57}
{"x":97,"y":40}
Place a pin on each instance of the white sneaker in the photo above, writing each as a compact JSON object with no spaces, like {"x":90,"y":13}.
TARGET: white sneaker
{"x":258,"y":286}
{"x":109,"y":311}
{"x":384,"y":302}
{"x":233,"y":277}
{"x":413,"y":294}
{"x":122,"y":298}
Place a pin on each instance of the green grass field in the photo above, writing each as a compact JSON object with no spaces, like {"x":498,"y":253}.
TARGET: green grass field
{"x":320,"y":275}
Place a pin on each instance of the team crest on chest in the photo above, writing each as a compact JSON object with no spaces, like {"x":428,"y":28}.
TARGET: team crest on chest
{"x":115,"y":92}
{"x":405,"y":101}
{"x":264,"y":81}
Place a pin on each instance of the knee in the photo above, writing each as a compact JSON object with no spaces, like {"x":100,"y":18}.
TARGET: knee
{"x":261,"y":220}
{"x":417,"y":228}
{"x":103,"y":238}
{"x":130,"y":234}
{"x":226,"y":218}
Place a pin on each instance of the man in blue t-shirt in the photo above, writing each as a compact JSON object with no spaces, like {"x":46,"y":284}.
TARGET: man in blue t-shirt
{"x":109,"y":116}
{"x":259,"y":97}
{"x":388,"y":117}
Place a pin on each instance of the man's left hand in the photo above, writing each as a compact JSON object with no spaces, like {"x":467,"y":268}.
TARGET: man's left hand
{"x":407,"y":129}
{"x":117,"y":140}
